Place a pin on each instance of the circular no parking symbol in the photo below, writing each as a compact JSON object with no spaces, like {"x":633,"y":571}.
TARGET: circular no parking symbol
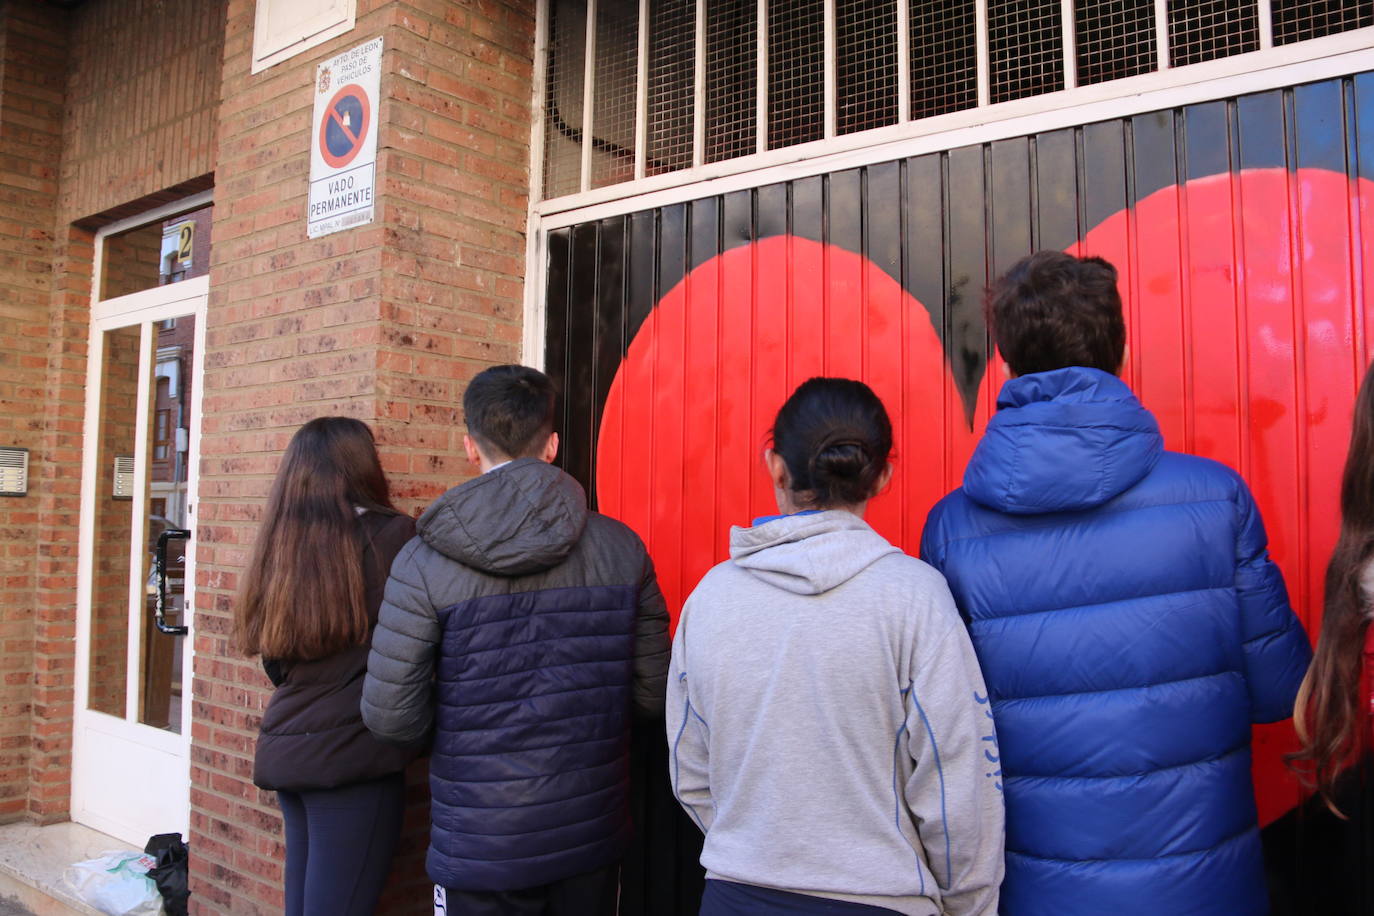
{"x":345,"y":124}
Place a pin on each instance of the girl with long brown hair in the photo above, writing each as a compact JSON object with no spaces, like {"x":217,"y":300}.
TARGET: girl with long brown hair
{"x":1333,"y":714}
{"x":307,"y":605}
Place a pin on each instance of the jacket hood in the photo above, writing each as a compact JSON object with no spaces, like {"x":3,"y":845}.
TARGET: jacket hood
{"x":808,"y":554}
{"x":1062,"y":441}
{"x":521,"y":518}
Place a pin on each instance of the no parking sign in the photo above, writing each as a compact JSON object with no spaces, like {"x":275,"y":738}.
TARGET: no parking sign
{"x":343,"y":143}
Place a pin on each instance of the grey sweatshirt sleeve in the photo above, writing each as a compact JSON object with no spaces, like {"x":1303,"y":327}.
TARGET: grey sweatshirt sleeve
{"x":651,"y":646}
{"x":688,"y":737}
{"x":398,"y":693}
{"x":955,"y":791}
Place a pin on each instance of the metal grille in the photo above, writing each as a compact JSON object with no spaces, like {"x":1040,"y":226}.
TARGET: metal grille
{"x":731,"y":78}
{"x":944,"y":56}
{"x":1025,"y":48}
{"x":563,"y":99}
{"x":672,"y":68}
{"x":613,"y":91}
{"x":865,"y":65}
{"x":796,"y":72}
{"x":1295,"y":20}
{"x":1115,"y":38}
{"x":1202,"y":30}
{"x":704,"y":81}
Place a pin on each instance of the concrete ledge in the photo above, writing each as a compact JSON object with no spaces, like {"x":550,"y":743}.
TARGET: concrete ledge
{"x":33,"y":858}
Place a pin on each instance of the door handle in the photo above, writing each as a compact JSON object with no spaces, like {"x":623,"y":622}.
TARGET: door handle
{"x":160,"y":568}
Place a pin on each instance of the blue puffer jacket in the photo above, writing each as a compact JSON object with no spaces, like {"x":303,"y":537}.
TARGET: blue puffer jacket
{"x":1131,"y":627}
{"x":524,"y":630}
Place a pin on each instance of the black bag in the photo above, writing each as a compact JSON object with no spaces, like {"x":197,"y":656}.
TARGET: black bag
{"x":171,"y":872}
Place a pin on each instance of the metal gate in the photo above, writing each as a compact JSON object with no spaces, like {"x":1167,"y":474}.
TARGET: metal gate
{"x":1244,"y":233}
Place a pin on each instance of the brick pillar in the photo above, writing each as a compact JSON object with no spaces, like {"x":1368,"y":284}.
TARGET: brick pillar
{"x":32,"y":71}
{"x":64,"y":410}
{"x":382,"y":322}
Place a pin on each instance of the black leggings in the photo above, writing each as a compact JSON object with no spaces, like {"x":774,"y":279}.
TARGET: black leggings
{"x":339,"y":844}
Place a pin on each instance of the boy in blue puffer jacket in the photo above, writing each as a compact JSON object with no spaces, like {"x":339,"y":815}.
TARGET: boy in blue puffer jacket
{"x":1127,"y":617}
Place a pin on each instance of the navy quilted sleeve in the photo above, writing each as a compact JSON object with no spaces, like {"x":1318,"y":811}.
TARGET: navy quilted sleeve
{"x":652,"y":648}
{"x":1277,"y":650}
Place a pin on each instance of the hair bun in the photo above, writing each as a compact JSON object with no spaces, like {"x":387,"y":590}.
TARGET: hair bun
{"x":840,"y":457}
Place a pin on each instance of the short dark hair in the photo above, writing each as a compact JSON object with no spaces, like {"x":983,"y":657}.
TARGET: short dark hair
{"x":1052,"y":310}
{"x":834,"y":435}
{"x":509,"y":411}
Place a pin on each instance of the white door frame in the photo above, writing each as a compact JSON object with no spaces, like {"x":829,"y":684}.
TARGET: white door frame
{"x":117,"y":763}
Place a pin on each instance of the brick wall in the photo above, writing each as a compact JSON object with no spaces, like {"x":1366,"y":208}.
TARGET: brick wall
{"x":382,"y":322}
{"x":142,"y":93}
{"x":32,"y":61}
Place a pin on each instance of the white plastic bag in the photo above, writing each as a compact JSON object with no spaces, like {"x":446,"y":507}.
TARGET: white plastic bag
{"x":116,"y":883}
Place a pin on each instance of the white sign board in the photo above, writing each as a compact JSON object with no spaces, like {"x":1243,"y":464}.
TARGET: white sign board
{"x":343,"y":141}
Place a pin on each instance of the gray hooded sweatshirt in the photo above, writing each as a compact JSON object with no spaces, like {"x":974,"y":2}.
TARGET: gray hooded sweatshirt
{"x":828,"y":727}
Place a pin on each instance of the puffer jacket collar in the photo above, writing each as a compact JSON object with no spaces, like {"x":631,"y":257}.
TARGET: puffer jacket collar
{"x":522,"y":518}
{"x":808,"y":554}
{"x":1062,"y":441}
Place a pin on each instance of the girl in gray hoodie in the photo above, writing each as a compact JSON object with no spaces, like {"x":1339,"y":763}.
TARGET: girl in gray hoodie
{"x":828,"y":726}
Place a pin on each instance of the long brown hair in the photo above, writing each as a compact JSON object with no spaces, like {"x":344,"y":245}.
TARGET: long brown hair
{"x":1329,"y":715}
{"x":302,"y":593}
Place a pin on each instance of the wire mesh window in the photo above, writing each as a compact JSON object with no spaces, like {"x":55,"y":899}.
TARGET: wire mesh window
{"x":613,"y":91}
{"x":682,"y":83}
{"x":944,"y":56}
{"x":866,"y":65}
{"x":796,"y":72}
{"x":672,"y":69}
{"x":1115,"y":39}
{"x":731,"y":78}
{"x":1295,"y":20}
{"x":1025,"y":48}
{"x":1201,"y":30}
{"x":563,"y":99}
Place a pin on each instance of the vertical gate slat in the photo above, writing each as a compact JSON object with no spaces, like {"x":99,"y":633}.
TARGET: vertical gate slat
{"x":806,"y":306}
{"x":1327,"y":303}
{"x":608,"y":326}
{"x":1158,"y":342}
{"x":884,"y":313}
{"x":734,"y":343}
{"x":1362,"y":131}
{"x":844,"y":322}
{"x":556,"y":323}
{"x":1056,"y":191}
{"x":1210,"y":294}
{"x":583,"y":281}
{"x":966,"y":279}
{"x":700,"y":408}
{"x":1010,"y":183}
{"x":769,"y":387}
{"x":922,"y":448}
{"x":665,"y":458}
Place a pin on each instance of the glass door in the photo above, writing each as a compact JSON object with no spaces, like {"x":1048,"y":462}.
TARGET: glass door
{"x":131,"y":763}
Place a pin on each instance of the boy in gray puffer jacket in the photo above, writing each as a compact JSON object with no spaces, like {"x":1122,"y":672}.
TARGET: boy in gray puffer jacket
{"x":523,"y":630}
